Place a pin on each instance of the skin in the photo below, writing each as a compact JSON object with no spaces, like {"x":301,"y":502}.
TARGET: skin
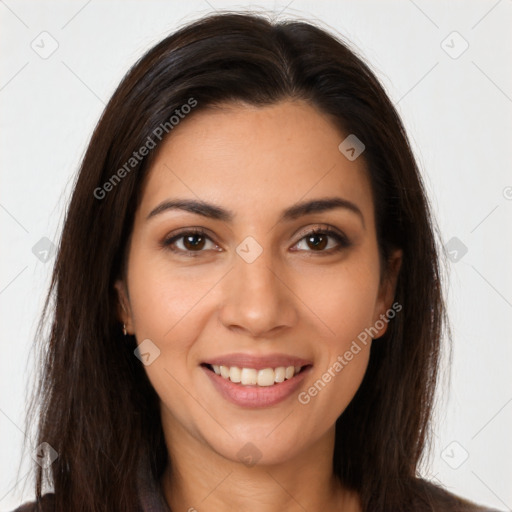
{"x":293,"y":299}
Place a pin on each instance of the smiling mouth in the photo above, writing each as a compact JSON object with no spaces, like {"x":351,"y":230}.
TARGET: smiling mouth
{"x":251,"y":377}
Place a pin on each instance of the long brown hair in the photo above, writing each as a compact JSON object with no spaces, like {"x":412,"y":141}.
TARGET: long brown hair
{"x":95,"y":404}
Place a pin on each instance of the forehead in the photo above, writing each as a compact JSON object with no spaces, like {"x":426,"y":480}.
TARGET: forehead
{"x":255,"y":160}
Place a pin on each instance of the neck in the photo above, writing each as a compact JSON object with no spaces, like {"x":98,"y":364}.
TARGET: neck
{"x":199,"y":478}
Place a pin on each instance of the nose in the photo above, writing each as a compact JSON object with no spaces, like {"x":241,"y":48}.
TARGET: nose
{"x":258,"y":300}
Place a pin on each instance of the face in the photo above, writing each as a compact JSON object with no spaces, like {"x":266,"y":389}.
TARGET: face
{"x":253,"y":286}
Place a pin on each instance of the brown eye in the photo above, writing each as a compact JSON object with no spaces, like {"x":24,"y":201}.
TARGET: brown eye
{"x":318,"y":239}
{"x":193,"y":242}
{"x":189,"y":243}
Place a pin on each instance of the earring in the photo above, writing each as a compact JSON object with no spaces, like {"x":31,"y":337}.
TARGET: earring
{"x":124,"y":329}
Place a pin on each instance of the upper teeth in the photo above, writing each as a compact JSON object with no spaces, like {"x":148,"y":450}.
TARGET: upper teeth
{"x":251,"y":377}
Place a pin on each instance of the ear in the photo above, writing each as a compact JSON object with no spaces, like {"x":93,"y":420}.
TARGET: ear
{"x":124,"y":311}
{"x":387,"y":292}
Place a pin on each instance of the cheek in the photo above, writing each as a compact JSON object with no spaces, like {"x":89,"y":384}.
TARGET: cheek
{"x":165,"y":302}
{"x":164,"y":296}
{"x":343,"y":298}
{"x":343,"y":353}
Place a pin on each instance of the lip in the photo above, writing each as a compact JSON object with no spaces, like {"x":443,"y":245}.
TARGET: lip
{"x":257,"y":362}
{"x":256,"y":396}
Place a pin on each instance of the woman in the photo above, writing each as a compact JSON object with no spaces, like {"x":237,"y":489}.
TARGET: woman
{"x":247,"y":300}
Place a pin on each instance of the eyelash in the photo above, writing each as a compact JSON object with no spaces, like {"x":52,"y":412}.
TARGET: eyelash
{"x":342,"y":240}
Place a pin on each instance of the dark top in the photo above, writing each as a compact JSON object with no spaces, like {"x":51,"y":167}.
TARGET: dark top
{"x":151,"y":499}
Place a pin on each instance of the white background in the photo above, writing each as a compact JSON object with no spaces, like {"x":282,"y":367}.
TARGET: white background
{"x":457,"y":112}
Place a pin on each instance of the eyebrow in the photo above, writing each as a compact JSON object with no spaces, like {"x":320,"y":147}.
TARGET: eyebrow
{"x":296,"y":211}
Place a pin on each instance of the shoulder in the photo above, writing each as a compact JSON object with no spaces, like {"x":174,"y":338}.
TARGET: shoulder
{"x":45,"y":504}
{"x":435,"y":497}
{"x":428,"y":495}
